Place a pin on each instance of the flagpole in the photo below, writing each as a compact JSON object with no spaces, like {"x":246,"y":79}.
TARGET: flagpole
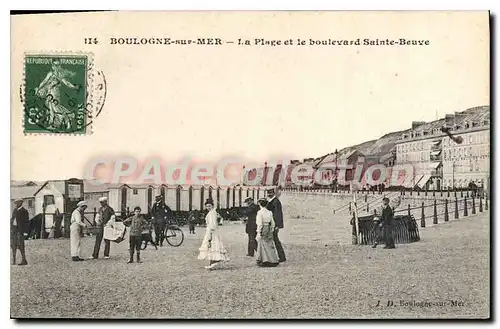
{"x":356,"y":221}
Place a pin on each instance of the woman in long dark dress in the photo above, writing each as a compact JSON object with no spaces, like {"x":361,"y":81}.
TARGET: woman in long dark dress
{"x":267,"y":256}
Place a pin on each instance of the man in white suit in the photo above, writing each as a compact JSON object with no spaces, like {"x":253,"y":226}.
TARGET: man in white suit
{"x":76,"y":225}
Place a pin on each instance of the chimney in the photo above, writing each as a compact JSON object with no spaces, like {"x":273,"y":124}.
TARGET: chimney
{"x":416,"y":124}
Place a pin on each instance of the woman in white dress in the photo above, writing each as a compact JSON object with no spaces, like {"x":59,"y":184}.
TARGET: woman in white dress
{"x":267,"y":255}
{"x":212,"y":247}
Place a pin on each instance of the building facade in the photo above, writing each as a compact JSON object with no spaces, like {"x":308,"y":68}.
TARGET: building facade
{"x":441,"y":163}
{"x":469,"y":161}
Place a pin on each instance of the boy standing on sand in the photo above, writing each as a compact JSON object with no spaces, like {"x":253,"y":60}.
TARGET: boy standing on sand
{"x":137,"y":225}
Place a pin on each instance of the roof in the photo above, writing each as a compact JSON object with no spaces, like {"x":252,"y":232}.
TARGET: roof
{"x":474,"y":114}
{"x":24,"y":183}
{"x":387,"y":157}
{"x":88,"y":187}
{"x":343,"y":154}
{"x":57,"y":184}
{"x":23,"y":192}
{"x":140,"y":186}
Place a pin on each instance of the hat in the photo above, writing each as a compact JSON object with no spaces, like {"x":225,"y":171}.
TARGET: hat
{"x":18,"y":200}
{"x":101,"y":199}
{"x":271,"y":191}
{"x":81,"y":203}
{"x":248,"y":200}
{"x":210,"y":202}
{"x":385,"y":199}
{"x":158,"y":197}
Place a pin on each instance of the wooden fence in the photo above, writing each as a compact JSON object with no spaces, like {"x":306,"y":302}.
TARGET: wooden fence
{"x":406,"y":220}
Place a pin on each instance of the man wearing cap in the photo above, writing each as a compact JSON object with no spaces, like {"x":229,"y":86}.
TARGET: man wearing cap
{"x":160,"y":213}
{"x":74,"y":230}
{"x":274,"y":205}
{"x":19,"y":227}
{"x":105,"y":216}
{"x":387,"y":221}
{"x":250,"y":212}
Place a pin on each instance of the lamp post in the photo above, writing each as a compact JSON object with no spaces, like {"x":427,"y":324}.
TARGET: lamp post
{"x":243,"y":173}
{"x":265,"y":173}
{"x":336,"y":180}
{"x":453,"y":174}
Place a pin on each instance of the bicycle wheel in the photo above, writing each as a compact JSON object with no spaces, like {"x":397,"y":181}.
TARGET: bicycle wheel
{"x":174,"y":235}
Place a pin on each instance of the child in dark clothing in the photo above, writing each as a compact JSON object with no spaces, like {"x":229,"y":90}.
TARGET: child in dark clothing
{"x":193,"y":220}
{"x":137,"y":225}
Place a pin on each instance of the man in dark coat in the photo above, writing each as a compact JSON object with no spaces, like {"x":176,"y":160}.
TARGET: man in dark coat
{"x":160,"y":213}
{"x":387,"y":223}
{"x":274,"y":205}
{"x":105,"y":214}
{"x":19,"y":227}
{"x":250,"y":211}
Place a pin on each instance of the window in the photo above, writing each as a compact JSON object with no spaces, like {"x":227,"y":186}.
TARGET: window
{"x":470,"y":139}
{"x":135,"y":191}
{"x":30,"y":203}
{"x":48,"y":200}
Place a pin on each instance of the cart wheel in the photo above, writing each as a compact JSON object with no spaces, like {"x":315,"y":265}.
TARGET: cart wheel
{"x":174,"y":235}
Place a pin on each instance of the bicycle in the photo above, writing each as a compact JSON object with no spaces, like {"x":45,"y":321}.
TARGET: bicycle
{"x":174,"y":235}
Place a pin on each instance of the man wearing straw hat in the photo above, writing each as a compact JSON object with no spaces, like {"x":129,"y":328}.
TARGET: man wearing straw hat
{"x":105,"y":215}
{"x":19,"y":226}
{"x":74,"y":230}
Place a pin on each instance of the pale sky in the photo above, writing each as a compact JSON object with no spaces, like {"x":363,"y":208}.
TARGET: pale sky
{"x":208,"y":102}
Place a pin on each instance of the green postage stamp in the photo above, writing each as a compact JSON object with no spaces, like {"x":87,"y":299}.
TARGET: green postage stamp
{"x":56,"y":93}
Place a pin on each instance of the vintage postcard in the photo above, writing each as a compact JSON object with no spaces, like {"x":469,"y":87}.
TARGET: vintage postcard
{"x":250,"y":165}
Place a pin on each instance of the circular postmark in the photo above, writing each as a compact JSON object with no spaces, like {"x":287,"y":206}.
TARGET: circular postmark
{"x":63,"y":107}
